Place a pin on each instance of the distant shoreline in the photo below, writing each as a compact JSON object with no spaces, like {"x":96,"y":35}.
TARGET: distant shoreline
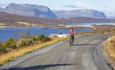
{"x":21,"y":26}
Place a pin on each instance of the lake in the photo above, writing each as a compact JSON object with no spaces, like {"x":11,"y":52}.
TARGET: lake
{"x":18,"y":32}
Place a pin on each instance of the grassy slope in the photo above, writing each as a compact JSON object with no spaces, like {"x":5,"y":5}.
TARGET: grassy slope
{"x":109,"y":48}
{"x":5,"y":58}
{"x":10,"y":19}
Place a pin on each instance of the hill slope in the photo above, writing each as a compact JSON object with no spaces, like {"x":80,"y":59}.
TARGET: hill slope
{"x":11,"y":19}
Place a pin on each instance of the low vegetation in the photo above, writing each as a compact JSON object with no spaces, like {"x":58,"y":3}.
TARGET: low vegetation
{"x":24,"y":46}
{"x":105,"y":29}
{"x":11,"y":44}
{"x":109,"y":48}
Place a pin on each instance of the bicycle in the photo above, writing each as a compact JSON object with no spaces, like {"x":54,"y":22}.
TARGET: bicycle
{"x":71,"y":41}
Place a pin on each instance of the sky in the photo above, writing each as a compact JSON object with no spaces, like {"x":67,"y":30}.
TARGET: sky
{"x":106,"y":6}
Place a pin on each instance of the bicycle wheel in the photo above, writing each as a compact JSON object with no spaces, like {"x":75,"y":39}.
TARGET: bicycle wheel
{"x":71,"y":42}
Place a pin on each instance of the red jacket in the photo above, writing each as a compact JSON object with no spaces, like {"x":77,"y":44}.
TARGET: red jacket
{"x":71,"y":33}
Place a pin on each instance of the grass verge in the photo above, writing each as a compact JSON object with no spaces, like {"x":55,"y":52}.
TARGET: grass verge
{"x":10,"y":56}
{"x":109,"y":50}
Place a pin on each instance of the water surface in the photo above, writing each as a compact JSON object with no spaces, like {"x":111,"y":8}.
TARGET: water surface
{"x":17,"y":32}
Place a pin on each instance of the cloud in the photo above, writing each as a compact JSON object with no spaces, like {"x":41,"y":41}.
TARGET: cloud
{"x":70,"y":6}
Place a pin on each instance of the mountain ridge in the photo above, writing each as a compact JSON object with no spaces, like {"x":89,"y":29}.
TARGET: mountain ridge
{"x":29,"y":10}
{"x":41,"y":11}
{"x":91,"y":13}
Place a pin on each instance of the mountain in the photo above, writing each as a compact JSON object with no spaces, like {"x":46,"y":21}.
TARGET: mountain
{"x":111,"y":17}
{"x":90,"y":13}
{"x":44,"y":12}
{"x":29,"y":10}
{"x":1,"y":9}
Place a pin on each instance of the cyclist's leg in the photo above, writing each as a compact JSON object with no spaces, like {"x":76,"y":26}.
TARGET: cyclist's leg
{"x":70,"y":41}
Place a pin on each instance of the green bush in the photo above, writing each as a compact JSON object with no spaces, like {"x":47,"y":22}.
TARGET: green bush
{"x":2,"y":48}
{"x":29,"y":42}
{"x":21,"y":43}
{"x":0,"y":44}
{"x":11,"y":44}
{"x":25,"y":42}
{"x":34,"y":39}
{"x":43,"y":38}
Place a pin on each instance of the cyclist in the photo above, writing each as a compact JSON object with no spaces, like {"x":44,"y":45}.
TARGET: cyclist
{"x":71,"y":33}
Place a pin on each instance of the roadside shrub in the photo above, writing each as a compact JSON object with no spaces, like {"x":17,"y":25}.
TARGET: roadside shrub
{"x":43,"y":38}
{"x":0,"y":44}
{"x":110,"y":49}
{"x":111,"y":42}
{"x":29,"y":42}
{"x":34,"y":39}
{"x":47,"y":38}
{"x":10,"y":44}
{"x":21,"y":43}
{"x":25,"y":42}
{"x":2,"y":48}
